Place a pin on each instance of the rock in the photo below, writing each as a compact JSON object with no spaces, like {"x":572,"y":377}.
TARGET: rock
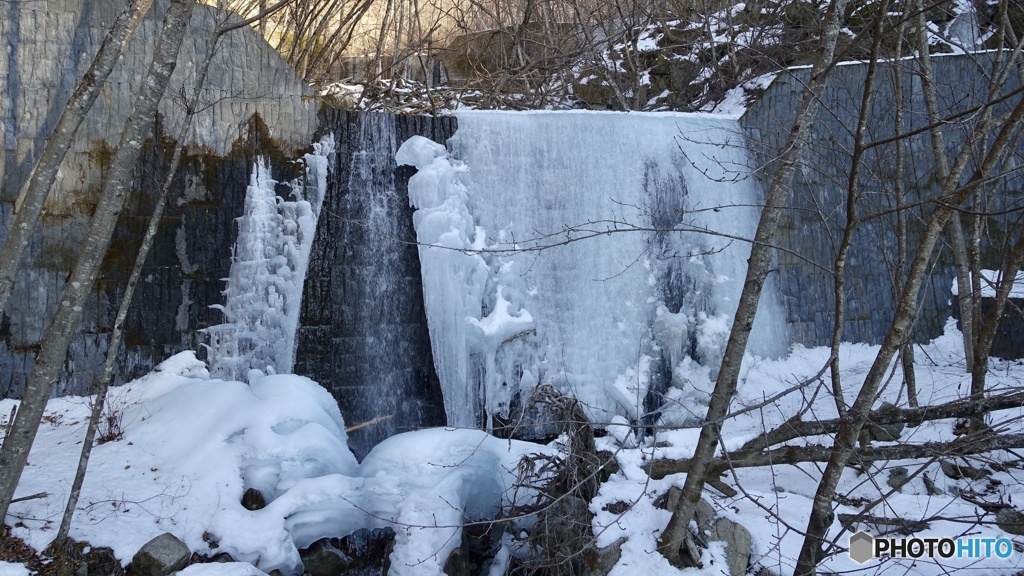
{"x":253,"y":499}
{"x":600,"y":561}
{"x":361,"y":553}
{"x":737,"y":544}
{"x":960,"y":471}
{"x":897,"y":477}
{"x":323,"y":559}
{"x":1011,"y":521}
{"x":884,"y":432}
{"x":457,"y":564}
{"x":668,"y":500}
{"x":160,"y":556}
{"x":737,"y":539}
{"x":705,"y":518}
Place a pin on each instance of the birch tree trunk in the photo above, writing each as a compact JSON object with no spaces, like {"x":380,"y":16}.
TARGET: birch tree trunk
{"x":958,"y":244}
{"x":116,"y":333}
{"x":50,"y":361}
{"x":757,"y":271}
{"x":951,"y":195}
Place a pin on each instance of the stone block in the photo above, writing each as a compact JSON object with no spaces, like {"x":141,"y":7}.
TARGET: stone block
{"x":161,"y":556}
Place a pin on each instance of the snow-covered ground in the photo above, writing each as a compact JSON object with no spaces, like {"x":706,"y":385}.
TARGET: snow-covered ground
{"x":192,"y":445}
{"x":774,"y":503}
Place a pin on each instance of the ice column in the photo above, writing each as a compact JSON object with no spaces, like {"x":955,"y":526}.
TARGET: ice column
{"x":268,"y":267}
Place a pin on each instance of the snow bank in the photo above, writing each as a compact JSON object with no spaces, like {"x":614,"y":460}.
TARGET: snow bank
{"x":775,"y":501}
{"x":192,"y":445}
{"x":448,"y":477}
{"x":990,"y":280}
{"x":8,"y":569}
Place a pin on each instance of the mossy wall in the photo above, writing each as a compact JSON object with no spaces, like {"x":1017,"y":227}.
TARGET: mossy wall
{"x":49,"y":45}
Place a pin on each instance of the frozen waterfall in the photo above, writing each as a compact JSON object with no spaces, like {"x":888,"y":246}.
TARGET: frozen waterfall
{"x":268,"y":268}
{"x":602,"y":253}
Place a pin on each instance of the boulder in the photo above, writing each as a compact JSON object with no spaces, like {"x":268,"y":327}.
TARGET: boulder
{"x":962,"y":471}
{"x":737,"y":544}
{"x":161,"y":556}
{"x":897,"y":477}
{"x":323,"y":559}
{"x":457,"y":564}
{"x":1011,"y":521}
{"x":704,"y":516}
{"x":600,"y":561}
{"x":252,"y":499}
{"x":363,"y":553}
{"x":737,"y":539}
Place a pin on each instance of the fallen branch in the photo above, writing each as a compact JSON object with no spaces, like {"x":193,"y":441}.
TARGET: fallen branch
{"x":792,"y":429}
{"x":376,"y":420}
{"x":31,"y":497}
{"x":963,"y":446}
{"x":899,"y":525}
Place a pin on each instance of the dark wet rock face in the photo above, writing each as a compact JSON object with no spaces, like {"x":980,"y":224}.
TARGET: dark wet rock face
{"x":363,"y":553}
{"x":363,"y":330}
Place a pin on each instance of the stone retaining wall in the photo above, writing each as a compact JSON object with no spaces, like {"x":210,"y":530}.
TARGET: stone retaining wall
{"x":48,"y":45}
{"x":811,"y":226}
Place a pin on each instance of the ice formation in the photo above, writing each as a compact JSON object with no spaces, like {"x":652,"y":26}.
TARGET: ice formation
{"x":454,"y":275}
{"x":268,"y":268}
{"x":600,"y":253}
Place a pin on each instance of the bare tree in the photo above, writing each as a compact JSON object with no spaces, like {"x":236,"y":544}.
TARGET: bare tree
{"x":757,"y":271}
{"x":49,"y":362}
{"x":951,"y":194}
{"x":116,"y":334}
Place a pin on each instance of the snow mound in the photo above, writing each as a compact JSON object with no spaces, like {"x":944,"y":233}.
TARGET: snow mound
{"x":222,"y":569}
{"x":990,"y":280}
{"x":192,"y":445}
